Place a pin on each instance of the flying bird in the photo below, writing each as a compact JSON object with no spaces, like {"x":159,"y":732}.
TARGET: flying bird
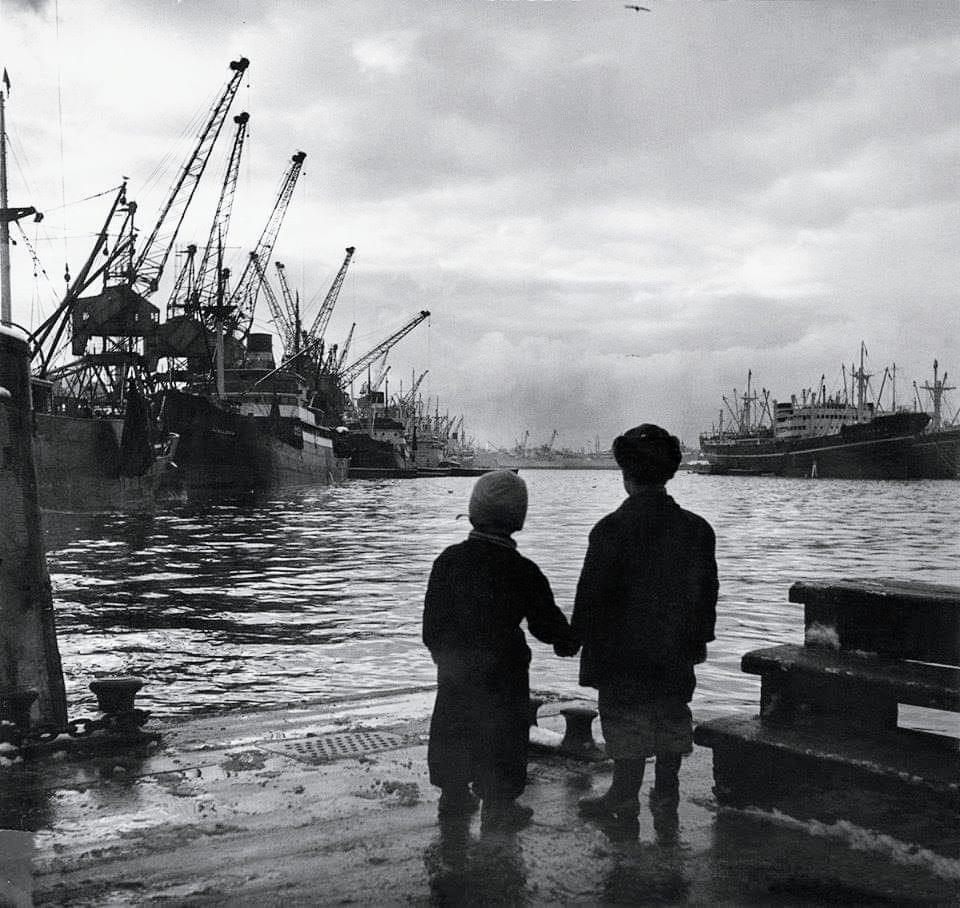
{"x":636,"y":8}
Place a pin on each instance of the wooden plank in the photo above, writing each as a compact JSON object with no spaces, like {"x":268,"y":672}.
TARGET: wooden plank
{"x":899,"y":762}
{"x":873,"y":678}
{"x":888,"y":784}
{"x":898,"y":619}
{"x":905,"y":593}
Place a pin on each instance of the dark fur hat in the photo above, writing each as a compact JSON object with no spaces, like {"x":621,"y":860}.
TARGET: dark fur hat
{"x":647,"y":453}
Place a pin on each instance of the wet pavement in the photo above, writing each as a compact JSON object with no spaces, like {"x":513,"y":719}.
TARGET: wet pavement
{"x":330,"y":803}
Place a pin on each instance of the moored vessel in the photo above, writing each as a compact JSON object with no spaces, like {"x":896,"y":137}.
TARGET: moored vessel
{"x":95,"y":447}
{"x":254,"y":432}
{"x":839,"y":436}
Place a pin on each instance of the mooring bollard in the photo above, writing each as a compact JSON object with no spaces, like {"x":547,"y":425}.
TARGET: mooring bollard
{"x":15,"y":706}
{"x":116,"y":695}
{"x":578,"y":738}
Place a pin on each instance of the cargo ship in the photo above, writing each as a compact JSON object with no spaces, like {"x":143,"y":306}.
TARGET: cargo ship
{"x":819,"y":436}
{"x":94,"y":461}
{"x":251,"y":430}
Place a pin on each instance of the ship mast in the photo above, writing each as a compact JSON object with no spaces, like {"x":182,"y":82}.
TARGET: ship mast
{"x":936,"y":392}
{"x":862,"y":378}
{"x":7,"y":215}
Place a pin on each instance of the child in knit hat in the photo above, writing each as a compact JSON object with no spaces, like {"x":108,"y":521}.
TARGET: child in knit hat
{"x":480,"y":590}
{"x":644,"y":611}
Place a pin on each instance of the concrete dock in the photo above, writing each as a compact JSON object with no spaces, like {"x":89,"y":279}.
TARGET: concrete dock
{"x":329,"y":803}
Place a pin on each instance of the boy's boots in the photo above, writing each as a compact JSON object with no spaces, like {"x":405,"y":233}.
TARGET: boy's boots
{"x":457,"y":800}
{"x":665,"y":798}
{"x":618,"y":808}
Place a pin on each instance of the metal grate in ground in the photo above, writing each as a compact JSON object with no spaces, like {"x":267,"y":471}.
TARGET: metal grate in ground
{"x":338,"y":746}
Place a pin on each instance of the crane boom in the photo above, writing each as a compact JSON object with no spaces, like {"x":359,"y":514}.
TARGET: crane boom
{"x":206,"y":285}
{"x":346,"y":347}
{"x":154,"y":253}
{"x":326,"y":309}
{"x":244,"y":296}
{"x":353,"y":370}
{"x":291,"y":339}
{"x":416,"y":385}
{"x":56,"y":324}
{"x":279,"y":316}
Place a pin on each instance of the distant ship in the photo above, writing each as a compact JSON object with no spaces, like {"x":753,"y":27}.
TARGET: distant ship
{"x":820,"y":436}
{"x":547,"y":457}
{"x":562,"y":460}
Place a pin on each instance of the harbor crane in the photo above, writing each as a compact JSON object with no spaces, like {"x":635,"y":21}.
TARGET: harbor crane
{"x":206,"y":283}
{"x":280,"y":317}
{"x":322,"y":318}
{"x":354,"y":369}
{"x":244,"y":296}
{"x":154,"y":252}
{"x":291,"y":320}
{"x":120,"y":314}
{"x":342,"y":358}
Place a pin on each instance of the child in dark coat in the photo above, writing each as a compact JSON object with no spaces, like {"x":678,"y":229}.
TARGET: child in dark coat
{"x":644,"y":612}
{"x":479,"y":592}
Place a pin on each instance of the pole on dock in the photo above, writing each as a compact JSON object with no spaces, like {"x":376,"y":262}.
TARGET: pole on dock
{"x":29,"y":656}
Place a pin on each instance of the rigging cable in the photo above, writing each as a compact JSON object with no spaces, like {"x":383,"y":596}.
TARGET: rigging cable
{"x":63,"y":183}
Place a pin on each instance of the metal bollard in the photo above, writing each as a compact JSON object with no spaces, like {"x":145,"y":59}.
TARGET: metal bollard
{"x":15,"y":706}
{"x":116,"y":695}
{"x":578,"y":738}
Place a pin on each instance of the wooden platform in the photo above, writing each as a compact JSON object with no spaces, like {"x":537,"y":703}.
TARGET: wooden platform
{"x":826,"y":744}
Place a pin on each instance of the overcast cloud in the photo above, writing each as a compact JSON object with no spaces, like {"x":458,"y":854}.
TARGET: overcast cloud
{"x":611,"y":215}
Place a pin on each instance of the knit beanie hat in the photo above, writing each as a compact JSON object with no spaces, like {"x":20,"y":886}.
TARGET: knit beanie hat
{"x":647,"y":453}
{"x":499,"y":502}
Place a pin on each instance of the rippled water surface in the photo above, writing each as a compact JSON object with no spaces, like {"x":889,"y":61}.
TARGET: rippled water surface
{"x":319,"y":594}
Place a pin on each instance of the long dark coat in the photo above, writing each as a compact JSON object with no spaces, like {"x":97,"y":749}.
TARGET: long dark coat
{"x":646,"y":599}
{"x":478,"y":595}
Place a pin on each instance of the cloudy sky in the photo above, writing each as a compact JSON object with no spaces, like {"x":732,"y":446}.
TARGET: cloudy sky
{"x":611,"y":215}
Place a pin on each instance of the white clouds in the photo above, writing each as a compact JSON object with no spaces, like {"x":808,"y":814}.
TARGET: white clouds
{"x":388,"y":52}
{"x":716,"y":187}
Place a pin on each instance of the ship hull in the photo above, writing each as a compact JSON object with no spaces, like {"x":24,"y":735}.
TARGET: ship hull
{"x":373,"y":458}
{"x":885,"y":448}
{"x":221,"y":452}
{"x":938,"y":454}
{"x":79,"y":466}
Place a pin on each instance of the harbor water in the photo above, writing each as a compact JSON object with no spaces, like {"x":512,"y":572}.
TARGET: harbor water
{"x":318,"y":593}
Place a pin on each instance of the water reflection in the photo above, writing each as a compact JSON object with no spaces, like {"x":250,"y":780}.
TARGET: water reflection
{"x":646,"y":875}
{"x":319,"y":593}
{"x":463,"y":871}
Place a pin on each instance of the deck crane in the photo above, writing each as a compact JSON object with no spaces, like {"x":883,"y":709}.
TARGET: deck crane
{"x":342,"y":358}
{"x":280,"y":317}
{"x":411,"y":395}
{"x":120,"y":314}
{"x":381,"y":374}
{"x":322,"y":319}
{"x":244,"y":296}
{"x":46,"y":338}
{"x":291,"y":335}
{"x":354,"y":369}
{"x":206,"y":283}
{"x":153,"y":254}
